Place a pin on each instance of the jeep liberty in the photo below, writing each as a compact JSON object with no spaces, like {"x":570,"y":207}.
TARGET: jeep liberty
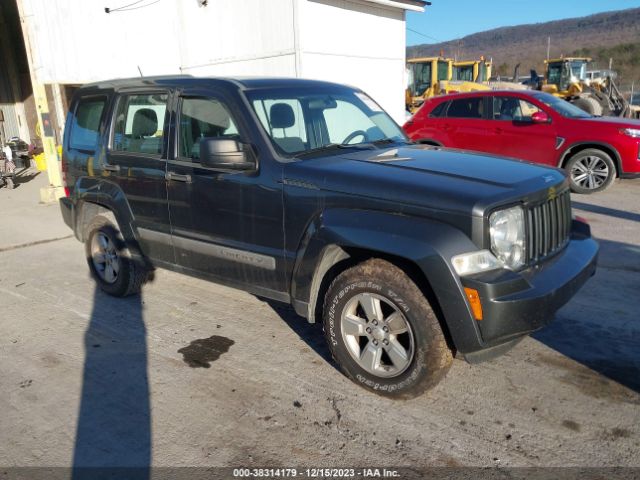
{"x":306,"y":192}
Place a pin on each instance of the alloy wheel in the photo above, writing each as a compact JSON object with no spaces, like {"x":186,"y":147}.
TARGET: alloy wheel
{"x":104,"y":256}
{"x":590,"y":172}
{"x":377,"y":335}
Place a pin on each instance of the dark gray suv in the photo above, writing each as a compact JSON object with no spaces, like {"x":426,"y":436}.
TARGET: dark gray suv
{"x":307,"y":192}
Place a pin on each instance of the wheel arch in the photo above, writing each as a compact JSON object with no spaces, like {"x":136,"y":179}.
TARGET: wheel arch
{"x":580,"y":146}
{"x":420,"y":252}
{"x":106,"y":199}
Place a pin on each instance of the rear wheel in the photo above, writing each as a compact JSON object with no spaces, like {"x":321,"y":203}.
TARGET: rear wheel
{"x":382,"y":331}
{"x":590,"y":171}
{"x":109,"y":261}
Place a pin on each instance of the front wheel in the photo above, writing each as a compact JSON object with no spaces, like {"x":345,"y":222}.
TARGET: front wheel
{"x":382,"y":331}
{"x":590,"y":171}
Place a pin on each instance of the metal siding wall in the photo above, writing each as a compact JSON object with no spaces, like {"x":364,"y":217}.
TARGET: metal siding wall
{"x":228,"y":35}
{"x":12,"y":111}
{"x":364,"y":48}
{"x":350,"y":41}
{"x":75,"y":41}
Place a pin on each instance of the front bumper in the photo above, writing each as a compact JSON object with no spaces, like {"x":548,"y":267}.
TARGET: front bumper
{"x":516,"y":304}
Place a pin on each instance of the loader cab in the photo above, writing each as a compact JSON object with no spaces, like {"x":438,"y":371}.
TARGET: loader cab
{"x":565,"y":72}
{"x":472,"y":71}
{"x":426,"y":73}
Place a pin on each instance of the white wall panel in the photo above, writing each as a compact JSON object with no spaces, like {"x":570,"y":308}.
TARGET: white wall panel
{"x":350,"y":41}
{"x":228,"y":29}
{"x":278,"y":66}
{"x":378,"y":78}
{"x":75,"y":41}
{"x":358,"y":43}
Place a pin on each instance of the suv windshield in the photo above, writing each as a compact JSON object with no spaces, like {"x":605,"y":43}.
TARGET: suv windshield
{"x":561,"y":106}
{"x":323,"y":118}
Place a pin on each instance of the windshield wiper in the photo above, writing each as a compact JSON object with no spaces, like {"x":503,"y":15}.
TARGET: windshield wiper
{"x":329,"y":147}
{"x":386,"y":141}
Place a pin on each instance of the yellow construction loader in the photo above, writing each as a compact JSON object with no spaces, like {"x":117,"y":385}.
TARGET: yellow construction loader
{"x":431,"y":76}
{"x":478,"y":71}
{"x":566,"y":77}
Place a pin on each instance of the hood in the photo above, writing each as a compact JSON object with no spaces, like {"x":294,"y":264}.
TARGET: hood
{"x":431,"y":177}
{"x":614,"y":121}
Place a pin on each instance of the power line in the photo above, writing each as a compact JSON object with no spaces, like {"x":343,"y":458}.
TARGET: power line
{"x":126,"y":8}
{"x":423,"y":35}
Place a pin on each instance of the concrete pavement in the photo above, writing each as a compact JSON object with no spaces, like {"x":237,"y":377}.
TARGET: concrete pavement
{"x":24,"y":219}
{"x":194,"y":374}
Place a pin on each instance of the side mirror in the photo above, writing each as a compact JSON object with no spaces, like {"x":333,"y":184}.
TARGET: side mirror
{"x":226,"y":154}
{"x":540,"y":117}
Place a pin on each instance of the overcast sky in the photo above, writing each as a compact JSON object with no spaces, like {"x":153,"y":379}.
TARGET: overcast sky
{"x":451,"y":19}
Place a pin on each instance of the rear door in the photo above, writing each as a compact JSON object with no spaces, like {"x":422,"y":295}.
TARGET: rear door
{"x":137,"y":163}
{"x":466,"y":124}
{"x":225,"y":224}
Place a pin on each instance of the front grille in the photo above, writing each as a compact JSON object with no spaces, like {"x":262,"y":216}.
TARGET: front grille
{"x":548,"y":227}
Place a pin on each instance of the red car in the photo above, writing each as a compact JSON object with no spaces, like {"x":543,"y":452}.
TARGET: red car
{"x":533,"y":126}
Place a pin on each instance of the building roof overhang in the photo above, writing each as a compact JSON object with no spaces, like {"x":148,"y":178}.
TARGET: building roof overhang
{"x":412,"y":5}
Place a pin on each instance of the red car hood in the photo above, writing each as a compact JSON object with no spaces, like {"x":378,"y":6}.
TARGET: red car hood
{"x":614,"y":121}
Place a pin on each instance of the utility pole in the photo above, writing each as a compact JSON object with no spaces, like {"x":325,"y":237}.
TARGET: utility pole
{"x":55,"y":189}
{"x":548,"y":47}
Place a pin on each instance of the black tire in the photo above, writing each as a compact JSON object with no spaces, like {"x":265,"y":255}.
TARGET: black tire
{"x":590,"y":171}
{"x":431,"y":357}
{"x":589,"y":104}
{"x":130,"y":275}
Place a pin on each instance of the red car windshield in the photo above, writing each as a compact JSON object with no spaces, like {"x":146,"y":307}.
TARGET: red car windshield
{"x":561,"y":106}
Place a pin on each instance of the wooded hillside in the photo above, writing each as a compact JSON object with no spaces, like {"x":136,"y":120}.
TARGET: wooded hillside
{"x":602,"y":36}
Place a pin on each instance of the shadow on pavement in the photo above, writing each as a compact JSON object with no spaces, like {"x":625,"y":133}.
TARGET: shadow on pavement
{"x":601,"y":330}
{"x":310,"y":333}
{"x":612,"y":212}
{"x":26,"y":175}
{"x":114,"y":421}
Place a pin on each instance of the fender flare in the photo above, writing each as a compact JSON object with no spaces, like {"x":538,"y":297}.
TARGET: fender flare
{"x":97,"y":196}
{"x":426,"y":244}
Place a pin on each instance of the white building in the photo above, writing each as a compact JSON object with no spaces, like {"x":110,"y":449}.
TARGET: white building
{"x":358,"y":42}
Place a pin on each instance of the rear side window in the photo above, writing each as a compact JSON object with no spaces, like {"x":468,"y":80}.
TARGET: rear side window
{"x":466,"y":108}
{"x":439,"y":110}
{"x":139,"y":123}
{"x":86,"y":123}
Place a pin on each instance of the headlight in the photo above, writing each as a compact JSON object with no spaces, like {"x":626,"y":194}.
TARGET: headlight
{"x":632,"y":132}
{"x":507,"y":236}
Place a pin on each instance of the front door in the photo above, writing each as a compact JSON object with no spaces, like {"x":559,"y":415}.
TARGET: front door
{"x":225,"y":224}
{"x":518,"y":136}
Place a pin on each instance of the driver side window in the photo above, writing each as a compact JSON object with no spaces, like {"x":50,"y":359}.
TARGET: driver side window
{"x":202,"y":118}
{"x":346,"y":119}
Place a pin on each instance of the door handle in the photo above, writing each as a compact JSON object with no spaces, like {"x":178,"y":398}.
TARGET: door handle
{"x":111,"y":168}
{"x":176,"y":177}
{"x":498,"y":130}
